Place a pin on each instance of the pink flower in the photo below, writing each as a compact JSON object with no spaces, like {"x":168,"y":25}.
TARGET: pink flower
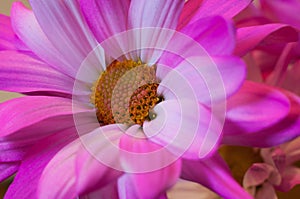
{"x":277,"y":172}
{"x":70,"y":53}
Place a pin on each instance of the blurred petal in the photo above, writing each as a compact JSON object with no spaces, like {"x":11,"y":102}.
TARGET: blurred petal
{"x":225,"y":8}
{"x":214,"y":174}
{"x":262,"y":36}
{"x":290,"y":178}
{"x":282,"y":11}
{"x":266,"y":191}
{"x":258,"y":173}
{"x":266,"y":134}
{"x":8,"y":169}
{"x":26,"y":181}
{"x":22,"y":73}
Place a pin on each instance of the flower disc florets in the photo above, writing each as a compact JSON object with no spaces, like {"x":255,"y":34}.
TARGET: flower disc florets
{"x":125,"y":93}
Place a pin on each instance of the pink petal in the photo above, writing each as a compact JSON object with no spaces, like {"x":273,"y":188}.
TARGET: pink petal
{"x":212,"y":80}
{"x":8,"y":169}
{"x":214,"y":174}
{"x":188,"y":11}
{"x":8,"y":39}
{"x":26,"y":181}
{"x":97,"y":161}
{"x":215,"y":34}
{"x":228,"y":9}
{"x":276,"y":124}
{"x":59,"y":174}
{"x":290,"y":178}
{"x":155,"y":13}
{"x":262,"y":36}
{"x":185,"y":128}
{"x":258,"y":173}
{"x":146,"y":169}
{"x":127,"y":188}
{"x":105,"y":17}
{"x":23,"y":113}
{"x":110,"y":191}
{"x":22,"y":73}
{"x":266,"y":191}
{"x":29,"y":31}
{"x":292,"y":151}
{"x":282,"y":11}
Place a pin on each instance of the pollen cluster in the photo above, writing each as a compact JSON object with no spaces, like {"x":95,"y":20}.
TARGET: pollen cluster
{"x":125,"y":93}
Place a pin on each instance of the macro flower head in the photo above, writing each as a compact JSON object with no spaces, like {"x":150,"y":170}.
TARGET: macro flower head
{"x":124,"y":97}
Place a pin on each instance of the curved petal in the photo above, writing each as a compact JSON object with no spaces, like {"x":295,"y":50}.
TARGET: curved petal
{"x":268,"y":133}
{"x":29,"y":31}
{"x":8,"y":169}
{"x":290,"y":178}
{"x":215,"y":34}
{"x":105,"y":17}
{"x":186,"y":129}
{"x":262,"y":36}
{"x":110,"y":191}
{"x":22,"y":73}
{"x":139,"y":177}
{"x":266,"y":191}
{"x":255,"y":107}
{"x":92,"y":171}
{"x":228,"y":9}
{"x":211,"y":79}
{"x":280,"y":11}
{"x":155,"y":13}
{"x":26,"y":181}
{"x":8,"y":39}
{"x":258,"y":173}
{"x":214,"y":174}
{"x":25,"y":112}
{"x":65,"y":28}
{"x":59,"y":174}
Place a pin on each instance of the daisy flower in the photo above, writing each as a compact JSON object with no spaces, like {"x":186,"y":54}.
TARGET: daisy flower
{"x":123,"y":97}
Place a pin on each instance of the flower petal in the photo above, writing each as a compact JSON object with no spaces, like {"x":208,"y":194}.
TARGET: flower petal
{"x":25,"y":112}
{"x":282,"y":120}
{"x":8,"y":169}
{"x":258,"y":173}
{"x":92,"y":171}
{"x":8,"y":39}
{"x":263,"y":36}
{"x":266,"y":191}
{"x":129,"y":189}
{"x":290,"y":178}
{"x":186,"y":129}
{"x":99,"y":13}
{"x":228,"y":9}
{"x":26,"y":181}
{"x":155,"y":13}
{"x":215,"y":34}
{"x":280,"y":11}
{"x":110,"y":191}
{"x":29,"y":31}
{"x":213,"y":173}
{"x":136,"y":155}
{"x":211,"y":79}
{"x":59,"y":174}
{"x":22,"y":73}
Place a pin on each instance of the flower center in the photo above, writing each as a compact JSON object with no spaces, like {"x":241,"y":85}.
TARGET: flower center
{"x":125,"y":93}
